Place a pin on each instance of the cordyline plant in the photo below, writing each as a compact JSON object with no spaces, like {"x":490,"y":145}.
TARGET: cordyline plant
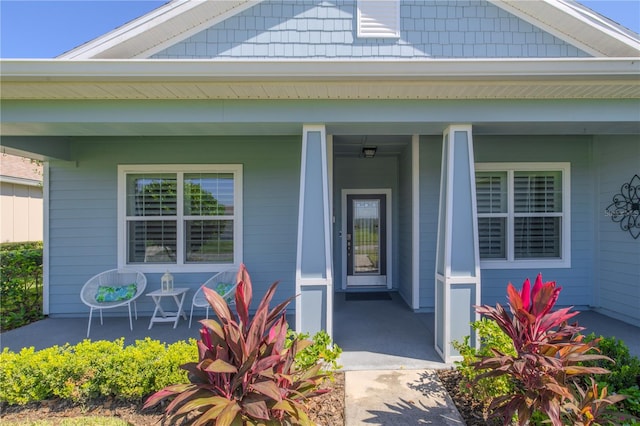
{"x":245,"y":375}
{"x":549,"y":353}
{"x":590,"y":404}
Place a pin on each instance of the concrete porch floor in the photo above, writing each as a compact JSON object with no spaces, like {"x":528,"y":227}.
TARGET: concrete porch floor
{"x":374,"y":335}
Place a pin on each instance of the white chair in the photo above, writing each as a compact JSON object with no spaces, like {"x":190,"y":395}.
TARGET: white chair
{"x":112,"y":289}
{"x":224,"y":283}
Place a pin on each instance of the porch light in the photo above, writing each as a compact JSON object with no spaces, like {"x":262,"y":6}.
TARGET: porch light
{"x":166,"y":282}
{"x":369,"y":151}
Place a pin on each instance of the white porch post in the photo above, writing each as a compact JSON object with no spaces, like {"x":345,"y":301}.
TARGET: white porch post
{"x":457,"y":258}
{"x":314,"y":272}
{"x":415,"y":220}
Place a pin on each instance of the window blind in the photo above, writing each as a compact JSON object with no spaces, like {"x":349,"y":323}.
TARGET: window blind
{"x":204,"y":221}
{"x":537,"y":237}
{"x":537,"y":192}
{"x":491,"y":195}
{"x":520,"y":214}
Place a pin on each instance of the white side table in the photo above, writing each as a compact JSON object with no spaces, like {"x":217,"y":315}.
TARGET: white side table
{"x":159,"y":314}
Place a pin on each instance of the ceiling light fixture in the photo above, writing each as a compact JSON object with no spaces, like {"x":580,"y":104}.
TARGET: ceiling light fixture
{"x":369,"y":151}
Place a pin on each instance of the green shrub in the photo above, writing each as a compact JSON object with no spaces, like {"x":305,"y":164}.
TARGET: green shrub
{"x":321,"y":350}
{"x":167,"y":367}
{"x":632,"y":401}
{"x":625,"y":373}
{"x":91,"y":369}
{"x":23,"y":245}
{"x":23,"y":375}
{"x":491,"y":338}
{"x":20,"y":284}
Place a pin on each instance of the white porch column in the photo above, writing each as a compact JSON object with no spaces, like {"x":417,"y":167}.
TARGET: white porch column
{"x":457,"y":258}
{"x":314,"y":272}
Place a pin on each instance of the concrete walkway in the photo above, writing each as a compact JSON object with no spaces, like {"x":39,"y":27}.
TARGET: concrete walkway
{"x":397,"y":397}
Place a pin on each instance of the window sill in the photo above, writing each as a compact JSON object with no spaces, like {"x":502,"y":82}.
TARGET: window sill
{"x":160,"y":268}
{"x":526,"y":264}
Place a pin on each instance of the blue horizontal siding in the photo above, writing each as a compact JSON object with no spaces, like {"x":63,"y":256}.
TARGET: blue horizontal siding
{"x":83,"y":209}
{"x":618,"y":262}
{"x":577,"y":281}
{"x":299,"y":29}
{"x":405,"y":219}
{"x":430,"y":162}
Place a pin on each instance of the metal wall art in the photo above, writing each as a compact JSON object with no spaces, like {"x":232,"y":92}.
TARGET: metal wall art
{"x":625,"y":208}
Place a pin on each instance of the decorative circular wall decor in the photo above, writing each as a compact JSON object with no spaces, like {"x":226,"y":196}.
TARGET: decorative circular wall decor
{"x":625,"y":208}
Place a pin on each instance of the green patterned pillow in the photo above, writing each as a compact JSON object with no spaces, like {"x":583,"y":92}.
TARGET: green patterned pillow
{"x":223,"y":288}
{"x":116,"y":294}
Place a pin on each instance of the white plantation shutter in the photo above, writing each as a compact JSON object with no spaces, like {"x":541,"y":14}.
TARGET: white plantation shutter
{"x":538,"y":192}
{"x":209,"y":207}
{"x":522,"y":213}
{"x":491,"y":195}
{"x":492,"y":235}
{"x":181,"y":218}
{"x":538,"y":208}
{"x":537,"y":237}
{"x":152,"y":224}
{"x":378,"y":18}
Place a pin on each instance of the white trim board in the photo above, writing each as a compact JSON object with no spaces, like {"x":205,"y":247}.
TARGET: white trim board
{"x":181,"y":265}
{"x":343,"y":243}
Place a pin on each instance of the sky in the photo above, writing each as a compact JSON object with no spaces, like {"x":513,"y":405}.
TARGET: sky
{"x":48,"y":28}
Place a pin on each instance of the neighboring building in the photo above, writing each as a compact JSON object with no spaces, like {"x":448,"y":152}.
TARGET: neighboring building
{"x":437,"y":149}
{"x":20,"y":199}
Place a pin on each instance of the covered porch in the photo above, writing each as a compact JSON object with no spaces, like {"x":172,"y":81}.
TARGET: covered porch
{"x":86,"y":126}
{"x":364,"y":334}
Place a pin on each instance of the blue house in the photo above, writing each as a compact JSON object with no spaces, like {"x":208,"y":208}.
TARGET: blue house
{"x":431,"y":148}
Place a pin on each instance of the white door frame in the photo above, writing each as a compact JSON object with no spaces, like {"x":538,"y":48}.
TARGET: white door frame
{"x":387,"y":193}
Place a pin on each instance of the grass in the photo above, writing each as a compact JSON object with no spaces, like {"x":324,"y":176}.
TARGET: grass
{"x":76,"y":421}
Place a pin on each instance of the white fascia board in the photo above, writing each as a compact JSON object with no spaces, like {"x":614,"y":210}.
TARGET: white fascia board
{"x":49,"y":70}
{"x":20,"y":181}
{"x":190,"y":17}
{"x":597,"y":37}
{"x":137,"y":26}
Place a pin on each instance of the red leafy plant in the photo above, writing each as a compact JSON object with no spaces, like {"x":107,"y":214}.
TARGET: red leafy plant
{"x":590,"y":405}
{"x":549,"y":353}
{"x":245,"y":375}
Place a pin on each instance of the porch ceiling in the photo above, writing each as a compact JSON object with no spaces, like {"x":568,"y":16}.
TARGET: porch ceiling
{"x":45,"y":99}
{"x":559,"y":88}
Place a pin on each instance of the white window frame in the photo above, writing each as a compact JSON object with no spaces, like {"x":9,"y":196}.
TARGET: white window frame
{"x":383,"y":31}
{"x":565,"y":244}
{"x":180,"y":170}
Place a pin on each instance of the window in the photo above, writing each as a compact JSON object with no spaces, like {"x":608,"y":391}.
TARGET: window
{"x":379,"y":18}
{"x":523,"y":215}
{"x":180,"y":217}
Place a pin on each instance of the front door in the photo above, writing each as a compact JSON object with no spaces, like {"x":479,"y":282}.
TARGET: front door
{"x":366,"y":240}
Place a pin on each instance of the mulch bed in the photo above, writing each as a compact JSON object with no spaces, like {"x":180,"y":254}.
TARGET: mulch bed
{"x":326,"y":410}
{"x":473,"y":412}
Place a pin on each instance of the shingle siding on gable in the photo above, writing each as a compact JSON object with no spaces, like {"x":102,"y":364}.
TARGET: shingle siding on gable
{"x":317,"y":29}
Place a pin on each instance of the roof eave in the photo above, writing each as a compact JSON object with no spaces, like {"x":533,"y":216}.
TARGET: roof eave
{"x":590,"y":78}
{"x":150,"y":33}
{"x":185,"y":70}
{"x":576,"y":25}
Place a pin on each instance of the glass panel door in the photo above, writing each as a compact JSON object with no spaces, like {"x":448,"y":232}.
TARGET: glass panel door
{"x":366,"y":240}
{"x":366,"y":236}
